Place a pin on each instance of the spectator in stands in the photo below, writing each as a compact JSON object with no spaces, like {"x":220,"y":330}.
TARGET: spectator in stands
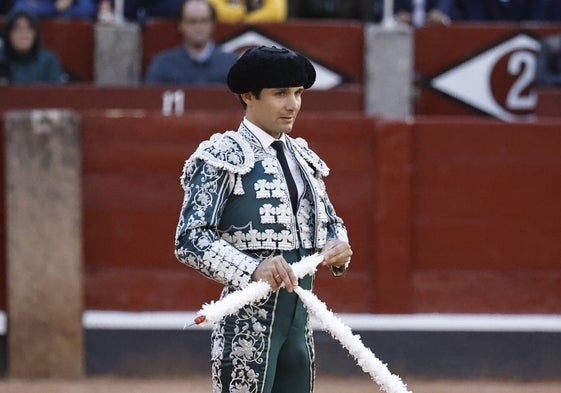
{"x":505,"y":10}
{"x":58,"y":8}
{"x":22,"y":58}
{"x":548,"y":72}
{"x":198,"y":61}
{"x":251,"y":11}
{"x":333,"y":9}
{"x":431,"y":12}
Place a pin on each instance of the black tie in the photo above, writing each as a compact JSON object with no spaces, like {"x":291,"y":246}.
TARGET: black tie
{"x":292,"y":190}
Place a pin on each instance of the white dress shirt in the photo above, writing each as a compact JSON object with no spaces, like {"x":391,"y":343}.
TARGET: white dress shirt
{"x":266,"y":141}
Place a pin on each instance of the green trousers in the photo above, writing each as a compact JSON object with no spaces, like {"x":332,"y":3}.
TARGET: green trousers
{"x":266,"y":347}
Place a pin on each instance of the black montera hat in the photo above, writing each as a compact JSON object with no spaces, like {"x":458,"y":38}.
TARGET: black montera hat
{"x":270,"y":67}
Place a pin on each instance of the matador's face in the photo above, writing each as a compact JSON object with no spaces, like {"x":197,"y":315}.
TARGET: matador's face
{"x":275,"y":110}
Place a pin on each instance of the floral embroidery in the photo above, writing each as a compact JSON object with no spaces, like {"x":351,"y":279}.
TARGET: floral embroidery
{"x":262,"y":189}
{"x":228,"y":151}
{"x":248,"y":238}
{"x":305,"y":222}
{"x":249,"y":345}
{"x":270,"y":215}
{"x":301,"y":146}
{"x":203,"y":249}
{"x":267,"y":213}
{"x":269,"y":165}
{"x":269,"y":239}
{"x":310,"y":345}
{"x":278,"y":189}
{"x":283,"y":214}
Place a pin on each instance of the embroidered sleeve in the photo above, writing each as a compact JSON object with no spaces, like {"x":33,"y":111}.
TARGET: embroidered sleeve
{"x":335,"y":228}
{"x":197,"y":243}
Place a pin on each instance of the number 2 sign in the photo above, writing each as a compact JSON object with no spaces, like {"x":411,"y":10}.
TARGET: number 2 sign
{"x":498,"y":81}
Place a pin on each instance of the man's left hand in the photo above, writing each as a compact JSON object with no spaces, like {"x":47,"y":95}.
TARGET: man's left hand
{"x":336,"y":253}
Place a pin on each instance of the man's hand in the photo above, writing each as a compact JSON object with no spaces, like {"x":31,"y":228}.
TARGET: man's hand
{"x":276,"y":271}
{"x":336,"y":253}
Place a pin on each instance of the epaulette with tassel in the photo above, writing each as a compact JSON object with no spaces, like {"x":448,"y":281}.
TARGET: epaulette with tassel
{"x":227,"y":151}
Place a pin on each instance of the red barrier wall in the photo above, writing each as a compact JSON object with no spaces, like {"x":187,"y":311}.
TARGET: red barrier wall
{"x":487,"y":225}
{"x":84,"y":97}
{"x":73,"y":41}
{"x":444,"y":216}
{"x":549,"y":102}
{"x":132,"y":200}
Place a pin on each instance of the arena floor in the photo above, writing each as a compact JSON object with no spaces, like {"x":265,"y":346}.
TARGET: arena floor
{"x":324,"y":385}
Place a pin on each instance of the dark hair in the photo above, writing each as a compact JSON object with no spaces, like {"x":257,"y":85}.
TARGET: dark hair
{"x":11,"y":53}
{"x":179,"y":13}
{"x":256,"y":93}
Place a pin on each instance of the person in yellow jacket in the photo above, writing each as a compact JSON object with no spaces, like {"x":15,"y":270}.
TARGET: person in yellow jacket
{"x":250,"y":11}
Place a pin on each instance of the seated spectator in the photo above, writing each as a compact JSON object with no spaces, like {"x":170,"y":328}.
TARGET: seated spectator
{"x":22,"y":58}
{"x":504,"y":10}
{"x":197,"y":61}
{"x":251,"y":11}
{"x":434,"y":12}
{"x":333,"y":9}
{"x":58,"y":8}
{"x":548,"y":73}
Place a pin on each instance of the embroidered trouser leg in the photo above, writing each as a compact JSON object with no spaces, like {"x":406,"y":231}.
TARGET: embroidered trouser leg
{"x":265,"y":348}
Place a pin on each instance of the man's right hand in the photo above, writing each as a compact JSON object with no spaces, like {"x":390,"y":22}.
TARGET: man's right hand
{"x":276,"y":271}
